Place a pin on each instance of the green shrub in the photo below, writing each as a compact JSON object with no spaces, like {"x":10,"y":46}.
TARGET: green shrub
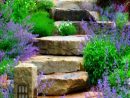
{"x":67,"y":28}
{"x":17,"y":10}
{"x":121,"y":19}
{"x":44,"y":5}
{"x":99,"y":55}
{"x":43,"y":24}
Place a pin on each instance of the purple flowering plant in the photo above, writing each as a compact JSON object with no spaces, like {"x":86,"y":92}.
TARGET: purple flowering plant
{"x":16,"y":44}
{"x":119,"y":36}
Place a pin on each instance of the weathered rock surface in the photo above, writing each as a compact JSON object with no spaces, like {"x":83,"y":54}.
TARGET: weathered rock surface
{"x":63,"y":83}
{"x":76,"y":4}
{"x":61,"y":14}
{"x":78,"y":95}
{"x":51,"y":64}
{"x":25,"y":75}
{"x":62,"y":45}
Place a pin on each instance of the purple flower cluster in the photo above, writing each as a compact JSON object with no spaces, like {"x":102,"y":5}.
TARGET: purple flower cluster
{"x":23,"y":40}
{"x":16,"y":44}
{"x":121,"y":38}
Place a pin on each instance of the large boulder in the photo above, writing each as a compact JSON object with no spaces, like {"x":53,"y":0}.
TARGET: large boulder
{"x":63,"y":83}
{"x":62,"y":45}
{"x":61,"y":14}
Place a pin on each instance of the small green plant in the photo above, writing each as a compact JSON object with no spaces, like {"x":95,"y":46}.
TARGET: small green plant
{"x":99,"y":55}
{"x":121,"y":19}
{"x":44,"y":5}
{"x":43,"y":24}
{"x":67,"y":28}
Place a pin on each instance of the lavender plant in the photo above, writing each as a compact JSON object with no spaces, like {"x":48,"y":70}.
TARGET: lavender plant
{"x":17,"y":42}
{"x":120,"y":91}
{"x":119,"y":38}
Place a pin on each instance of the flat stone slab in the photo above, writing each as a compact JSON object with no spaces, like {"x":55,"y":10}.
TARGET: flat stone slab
{"x":62,"y":45}
{"x":76,"y":4}
{"x":51,"y":64}
{"x":63,"y":83}
{"x":61,"y":14}
{"x":77,"y":95}
{"x":105,"y":24}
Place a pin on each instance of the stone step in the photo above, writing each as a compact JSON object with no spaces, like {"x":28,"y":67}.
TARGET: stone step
{"x":106,"y":24}
{"x":51,"y":64}
{"x":61,"y":14}
{"x":62,"y":45}
{"x":76,"y":4}
{"x":89,"y":94}
{"x":63,"y":83}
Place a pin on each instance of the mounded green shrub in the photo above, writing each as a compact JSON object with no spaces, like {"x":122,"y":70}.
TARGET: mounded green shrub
{"x":99,"y":55}
{"x":67,"y":28}
{"x":42,"y":23}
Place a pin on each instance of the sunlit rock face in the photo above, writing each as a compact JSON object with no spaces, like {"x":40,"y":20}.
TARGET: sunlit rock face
{"x":63,"y":83}
{"x":52,"y":64}
{"x":76,"y":4}
{"x":62,"y":45}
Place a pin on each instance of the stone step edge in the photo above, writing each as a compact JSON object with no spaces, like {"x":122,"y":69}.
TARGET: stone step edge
{"x":62,"y":74}
{"x":60,"y":45}
{"x":46,"y":63}
{"x":65,"y":83}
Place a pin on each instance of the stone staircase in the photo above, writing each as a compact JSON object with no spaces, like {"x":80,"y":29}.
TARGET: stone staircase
{"x":75,"y":11}
{"x":61,"y":61}
{"x":60,"y":57}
